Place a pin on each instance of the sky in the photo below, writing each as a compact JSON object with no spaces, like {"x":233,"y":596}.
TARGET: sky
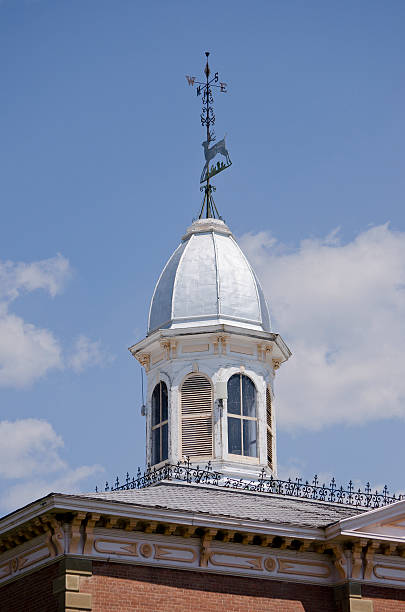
{"x":100,"y":157}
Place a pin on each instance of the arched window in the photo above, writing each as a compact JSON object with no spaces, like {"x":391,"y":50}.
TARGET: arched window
{"x":159,"y":423}
{"x":196,"y":416}
{"x":269,"y":429}
{"x":242,"y":420}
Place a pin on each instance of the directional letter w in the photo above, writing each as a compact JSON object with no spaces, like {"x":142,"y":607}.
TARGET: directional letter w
{"x":190,"y":80}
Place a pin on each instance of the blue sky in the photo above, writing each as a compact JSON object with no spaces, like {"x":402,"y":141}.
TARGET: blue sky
{"x":101,"y":156}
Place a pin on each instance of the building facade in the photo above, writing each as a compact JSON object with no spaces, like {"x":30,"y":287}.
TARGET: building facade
{"x":185,"y":546}
{"x":208,"y":526}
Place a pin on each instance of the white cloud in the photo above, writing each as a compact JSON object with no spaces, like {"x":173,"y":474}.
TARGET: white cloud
{"x":28,"y":352}
{"x":25,"y":492}
{"x":30,"y":452}
{"x":87,"y":353}
{"x":29,"y":446}
{"x":341,"y":308}
{"x":49,"y":274}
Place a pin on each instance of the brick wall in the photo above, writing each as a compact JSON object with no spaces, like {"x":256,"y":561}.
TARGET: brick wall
{"x":130,"y":588}
{"x":126,"y":588}
{"x":385,"y":599}
{"x":31,"y":593}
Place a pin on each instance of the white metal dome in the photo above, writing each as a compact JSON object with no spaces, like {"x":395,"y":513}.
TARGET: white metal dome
{"x":208,"y":280}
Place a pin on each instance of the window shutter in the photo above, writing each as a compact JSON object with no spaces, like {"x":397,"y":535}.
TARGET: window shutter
{"x":268,"y":407}
{"x":196,"y":416}
{"x":269,"y":429}
{"x":269,"y":448}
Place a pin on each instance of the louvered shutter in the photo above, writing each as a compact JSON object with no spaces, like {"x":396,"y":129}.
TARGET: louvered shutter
{"x":268,"y":407}
{"x":269,"y":448}
{"x":196,"y":416}
{"x":269,"y":429}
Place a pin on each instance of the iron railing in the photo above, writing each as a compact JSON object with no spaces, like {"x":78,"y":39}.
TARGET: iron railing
{"x":185,"y":472}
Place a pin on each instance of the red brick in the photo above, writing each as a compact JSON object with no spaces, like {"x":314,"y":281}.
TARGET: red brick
{"x":131,"y":588}
{"x":31,"y":593}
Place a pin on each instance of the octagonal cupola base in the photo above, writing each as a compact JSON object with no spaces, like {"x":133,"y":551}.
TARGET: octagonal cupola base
{"x":211,"y":398}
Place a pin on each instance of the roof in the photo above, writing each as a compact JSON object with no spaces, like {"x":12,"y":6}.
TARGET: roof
{"x":208,"y":280}
{"x":249,"y":505}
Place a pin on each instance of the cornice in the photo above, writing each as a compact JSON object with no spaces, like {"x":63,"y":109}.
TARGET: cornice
{"x":197,"y":332}
{"x":26,"y":513}
{"x":201,"y":330}
{"x":379,"y":516}
{"x":116,"y":531}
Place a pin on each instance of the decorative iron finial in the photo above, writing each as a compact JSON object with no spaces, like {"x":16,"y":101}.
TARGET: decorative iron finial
{"x":208,"y":208}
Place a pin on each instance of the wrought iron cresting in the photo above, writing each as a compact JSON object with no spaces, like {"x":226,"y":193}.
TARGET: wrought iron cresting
{"x":207,"y":116}
{"x":185,"y":472}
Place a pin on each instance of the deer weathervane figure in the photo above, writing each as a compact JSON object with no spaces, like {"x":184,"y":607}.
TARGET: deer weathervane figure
{"x":208,"y":120}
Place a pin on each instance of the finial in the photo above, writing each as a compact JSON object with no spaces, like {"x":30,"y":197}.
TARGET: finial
{"x":208,"y":208}
{"x":207,"y":68}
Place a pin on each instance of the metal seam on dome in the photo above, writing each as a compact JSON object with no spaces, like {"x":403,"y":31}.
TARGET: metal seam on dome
{"x":264,"y":297}
{"x":260,"y":318}
{"x":218,"y":281}
{"x":158,"y":281}
{"x":176,"y":276}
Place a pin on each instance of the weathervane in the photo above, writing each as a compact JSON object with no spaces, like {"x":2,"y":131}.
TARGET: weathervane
{"x":208,"y":120}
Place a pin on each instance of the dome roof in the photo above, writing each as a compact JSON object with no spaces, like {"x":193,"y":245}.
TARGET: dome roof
{"x":208,"y":280}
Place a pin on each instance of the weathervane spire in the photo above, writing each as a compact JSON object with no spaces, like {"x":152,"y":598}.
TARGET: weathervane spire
{"x":208,"y":208}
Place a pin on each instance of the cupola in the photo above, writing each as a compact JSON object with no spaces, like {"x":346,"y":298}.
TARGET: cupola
{"x":210,"y":359}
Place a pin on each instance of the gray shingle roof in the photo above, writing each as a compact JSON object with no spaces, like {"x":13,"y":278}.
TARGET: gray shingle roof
{"x":250,"y":505}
